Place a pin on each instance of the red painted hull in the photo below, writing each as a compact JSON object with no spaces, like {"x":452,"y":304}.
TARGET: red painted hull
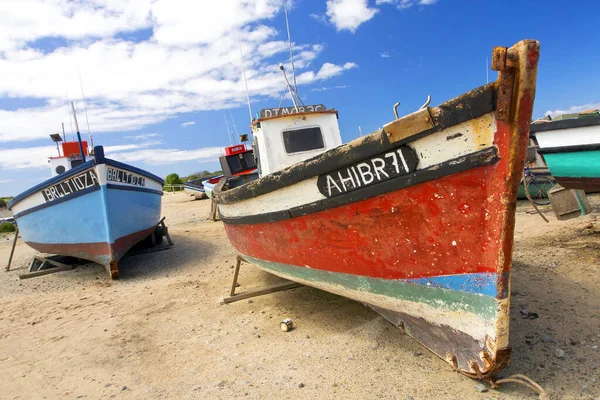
{"x":442,"y":227}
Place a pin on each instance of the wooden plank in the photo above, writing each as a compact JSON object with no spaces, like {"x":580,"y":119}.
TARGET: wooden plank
{"x":12,"y":250}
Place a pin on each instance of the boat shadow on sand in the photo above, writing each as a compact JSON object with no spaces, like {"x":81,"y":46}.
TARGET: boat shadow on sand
{"x":174,"y":260}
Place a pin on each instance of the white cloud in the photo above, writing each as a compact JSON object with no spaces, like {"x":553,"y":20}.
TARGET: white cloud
{"x":328,"y":70}
{"x":189,"y":123}
{"x":349,"y":14}
{"x":385,"y":54}
{"x":187,"y":60}
{"x":37,"y":157}
{"x":170,"y":156}
{"x":26,"y":158}
{"x":143,"y":136}
{"x":574,"y":109}
{"x":323,"y":89}
{"x":402,"y":4}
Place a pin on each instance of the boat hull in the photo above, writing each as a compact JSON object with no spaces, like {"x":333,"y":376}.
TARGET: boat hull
{"x":96,"y":212}
{"x":415,"y":220}
{"x":195,"y":190}
{"x":571,"y":149}
{"x":576,"y":169}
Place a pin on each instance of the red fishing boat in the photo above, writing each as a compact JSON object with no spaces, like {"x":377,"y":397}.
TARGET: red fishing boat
{"x":416,"y":219}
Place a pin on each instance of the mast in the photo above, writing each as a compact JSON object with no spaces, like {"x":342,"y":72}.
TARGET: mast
{"x":287,"y":24}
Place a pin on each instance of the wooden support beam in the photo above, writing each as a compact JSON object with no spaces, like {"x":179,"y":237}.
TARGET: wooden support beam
{"x":47,"y":271}
{"x":12,"y":250}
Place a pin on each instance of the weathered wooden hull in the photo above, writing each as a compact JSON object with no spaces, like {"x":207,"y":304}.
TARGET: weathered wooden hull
{"x":415,"y":220}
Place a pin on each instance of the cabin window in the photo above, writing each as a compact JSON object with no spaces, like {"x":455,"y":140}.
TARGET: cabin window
{"x":303,"y":139}
{"x":249,"y":159}
{"x":75,"y":163}
{"x":60,"y":169}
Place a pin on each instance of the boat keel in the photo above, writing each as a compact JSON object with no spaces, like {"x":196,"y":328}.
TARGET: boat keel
{"x":466,"y":354}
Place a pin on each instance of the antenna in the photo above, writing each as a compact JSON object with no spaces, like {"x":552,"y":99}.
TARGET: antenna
{"x":487,"y":73}
{"x":289,"y":87}
{"x":233,"y":122}
{"x":287,"y":24}
{"x":359,"y":130}
{"x":244,"y":71}
{"x":78,"y":135}
{"x":85,"y":108}
{"x":63,"y":126}
{"x":228,"y":132}
{"x":69,"y":114}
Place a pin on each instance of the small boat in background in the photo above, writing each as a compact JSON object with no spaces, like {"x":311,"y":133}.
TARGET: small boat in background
{"x":238,"y":161}
{"x":570,"y":145}
{"x":195,"y":188}
{"x":92,"y":207}
{"x":415,"y":219}
{"x":209,"y":184}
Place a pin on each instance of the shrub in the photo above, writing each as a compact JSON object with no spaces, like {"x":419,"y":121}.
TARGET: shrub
{"x":7,"y":227}
{"x":173,"y":179}
{"x":2,"y":203}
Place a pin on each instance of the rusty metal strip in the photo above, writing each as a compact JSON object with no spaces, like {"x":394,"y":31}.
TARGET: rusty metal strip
{"x":409,"y":125}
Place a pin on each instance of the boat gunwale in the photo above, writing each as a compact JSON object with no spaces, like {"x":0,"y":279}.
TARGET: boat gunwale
{"x":460,"y":164}
{"x":55,"y":179}
{"x":131,"y":168}
{"x":569,"y":149}
{"x":74,"y":171}
{"x":565,"y":124}
{"x":471,"y":105}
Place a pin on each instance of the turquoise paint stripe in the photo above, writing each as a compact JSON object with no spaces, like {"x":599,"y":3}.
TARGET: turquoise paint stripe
{"x":438,"y":297}
{"x":578,"y":164}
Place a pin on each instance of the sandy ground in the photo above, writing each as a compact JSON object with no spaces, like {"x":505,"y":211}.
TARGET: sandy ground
{"x":160,"y":331}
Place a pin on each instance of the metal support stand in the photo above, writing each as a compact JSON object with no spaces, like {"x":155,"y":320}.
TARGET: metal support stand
{"x":48,"y":265}
{"x":12,"y":250}
{"x":256,"y":292}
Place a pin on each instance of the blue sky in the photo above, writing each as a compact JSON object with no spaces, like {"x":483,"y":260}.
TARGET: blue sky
{"x":160,"y":75}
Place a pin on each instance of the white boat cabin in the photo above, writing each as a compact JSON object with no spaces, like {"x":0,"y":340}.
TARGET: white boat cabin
{"x":286,"y":136}
{"x":70,"y":158}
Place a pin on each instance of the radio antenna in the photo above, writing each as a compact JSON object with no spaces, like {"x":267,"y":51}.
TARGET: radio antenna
{"x":228,"y":131}
{"x":85,"y":108}
{"x":287,"y":24}
{"x":244,"y":71}
{"x":70,"y":118}
{"x":234,"y":127}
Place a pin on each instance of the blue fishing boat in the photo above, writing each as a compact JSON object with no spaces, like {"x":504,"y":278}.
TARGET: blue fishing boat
{"x":95,"y":209}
